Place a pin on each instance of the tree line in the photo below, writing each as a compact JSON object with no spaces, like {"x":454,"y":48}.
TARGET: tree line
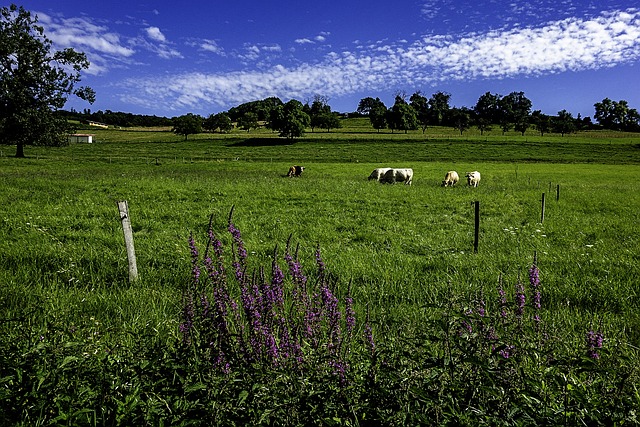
{"x":36,"y":80}
{"x":513,"y":111}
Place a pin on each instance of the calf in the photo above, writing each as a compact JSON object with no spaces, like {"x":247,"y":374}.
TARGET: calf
{"x":450,"y":179}
{"x":473,"y":178}
{"x":295,"y":171}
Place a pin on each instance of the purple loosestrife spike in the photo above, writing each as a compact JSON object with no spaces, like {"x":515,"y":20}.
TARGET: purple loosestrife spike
{"x":188,"y":316}
{"x":502,"y":298}
{"x":594,"y":342}
{"x":506,"y":352}
{"x":481,"y":308}
{"x":277,"y":282}
{"x":350,"y":315}
{"x":534,"y":276}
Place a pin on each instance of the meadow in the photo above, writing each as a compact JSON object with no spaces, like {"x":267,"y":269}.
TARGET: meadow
{"x":82,"y":346}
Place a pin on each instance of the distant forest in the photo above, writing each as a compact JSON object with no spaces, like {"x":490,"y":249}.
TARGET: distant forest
{"x":511,"y":111}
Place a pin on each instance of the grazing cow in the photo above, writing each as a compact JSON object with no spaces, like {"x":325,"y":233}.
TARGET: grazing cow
{"x":377,"y":174}
{"x":398,"y":175}
{"x":295,"y":171}
{"x":450,"y":179}
{"x":473,"y":178}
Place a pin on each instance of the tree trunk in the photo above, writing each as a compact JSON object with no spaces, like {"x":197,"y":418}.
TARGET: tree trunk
{"x":20,"y":151}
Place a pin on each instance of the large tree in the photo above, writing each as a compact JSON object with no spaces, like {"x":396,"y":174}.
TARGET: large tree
{"x":617,"y":115}
{"x":186,"y":125}
{"x":420,"y":104}
{"x":290,"y":119}
{"x":487,"y":111}
{"x":439,"y":107}
{"x":35,"y":82}
{"x":515,"y":111}
{"x":564,"y":123}
{"x":376,"y":110}
{"x":402,"y":116}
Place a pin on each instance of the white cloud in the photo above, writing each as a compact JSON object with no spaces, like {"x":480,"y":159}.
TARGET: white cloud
{"x":154,"y":33}
{"x":83,"y":34}
{"x":571,"y":44}
{"x":211,"y":46}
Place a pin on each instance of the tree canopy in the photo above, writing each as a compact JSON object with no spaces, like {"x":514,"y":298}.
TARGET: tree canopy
{"x":35,"y":82}
{"x":187,"y":124}
{"x":290,"y":119}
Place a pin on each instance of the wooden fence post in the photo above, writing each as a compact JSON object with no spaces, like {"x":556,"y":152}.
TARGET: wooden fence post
{"x":476,"y":234}
{"x":558,"y":193}
{"x":542,"y":214}
{"x":123,"y":207}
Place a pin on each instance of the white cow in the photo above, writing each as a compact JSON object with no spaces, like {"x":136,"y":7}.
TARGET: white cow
{"x":473,"y":178}
{"x":377,"y":174}
{"x":450,"y":179}
{"x":398,"y":175}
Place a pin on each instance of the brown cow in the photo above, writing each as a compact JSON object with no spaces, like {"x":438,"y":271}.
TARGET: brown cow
{"x":295,"y":171}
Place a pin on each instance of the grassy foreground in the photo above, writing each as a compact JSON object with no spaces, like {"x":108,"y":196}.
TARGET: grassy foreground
{"x":83,"y":346}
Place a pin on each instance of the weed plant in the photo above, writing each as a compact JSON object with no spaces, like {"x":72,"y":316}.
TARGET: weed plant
{"x":277,"y":347}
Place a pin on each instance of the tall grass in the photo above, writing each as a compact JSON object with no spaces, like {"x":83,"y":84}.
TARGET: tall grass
{"x":404,"y":254}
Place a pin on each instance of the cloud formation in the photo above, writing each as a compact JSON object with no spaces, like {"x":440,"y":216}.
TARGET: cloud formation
{"x":570,"y":44}
{"x":154,"y":33}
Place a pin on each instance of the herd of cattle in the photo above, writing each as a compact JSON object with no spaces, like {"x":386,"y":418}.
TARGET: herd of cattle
{"x":393,"y":175}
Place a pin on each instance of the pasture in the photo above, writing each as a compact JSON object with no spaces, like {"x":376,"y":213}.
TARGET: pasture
{"x":405,"y":252}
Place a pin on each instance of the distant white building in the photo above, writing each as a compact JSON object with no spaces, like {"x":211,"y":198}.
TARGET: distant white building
{"x":98,"y":124}
{"x":81,"y":138}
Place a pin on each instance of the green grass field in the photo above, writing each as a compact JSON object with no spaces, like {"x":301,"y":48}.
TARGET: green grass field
{"x":403,"y":249}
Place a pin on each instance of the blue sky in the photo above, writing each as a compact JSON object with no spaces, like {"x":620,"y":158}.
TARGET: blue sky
{"x":171,"y":58}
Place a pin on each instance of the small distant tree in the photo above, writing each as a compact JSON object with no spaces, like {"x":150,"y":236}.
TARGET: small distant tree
{"x":318,"y":112}
{"x":35,"y":82}
{"x":378,"y":115}
{"x":217,"y":121}
{"x":224,"y":122}
{"x":515,"y":110}
{"x":461,"y":118}
{"x":564,"y":123}
{"x":291,"y":120}
{"x":541,"y":122}
{"x":330,"y":120}
{"x":402,"y":116}
{"x":367,"y":104}
{"x":420,"y":105}
{"x":486,"y":111}
{"x":248,"y":121}
{"x":186,"y":125}
{"x":439,"y":107}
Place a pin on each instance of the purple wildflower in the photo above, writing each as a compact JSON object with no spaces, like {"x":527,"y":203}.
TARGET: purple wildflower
{"x":506,"y":352}
{"x":502,"y":298}
{"x":534,"y":281}
{"x":594,"y":342}
{"x":481,"y":308}
{"x":188,"y":316}
{"x":350,"y":315}
{"x":237,"y":239}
